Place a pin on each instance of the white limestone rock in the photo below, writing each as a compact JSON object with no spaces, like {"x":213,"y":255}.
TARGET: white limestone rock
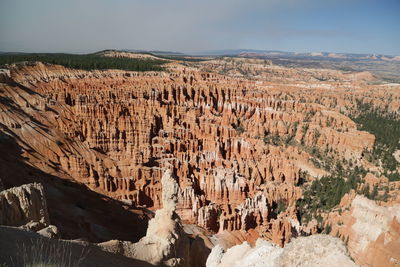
{"x":316,"y":250}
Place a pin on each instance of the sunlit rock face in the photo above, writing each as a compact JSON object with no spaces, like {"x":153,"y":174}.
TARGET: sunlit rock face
{"x":316,"y":250}
{"x":116,"y":132}
{"x":371,"y":230}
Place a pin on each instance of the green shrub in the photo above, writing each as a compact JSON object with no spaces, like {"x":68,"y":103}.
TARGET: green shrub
{"x":238,"y":127}
{"x":281,"y":207}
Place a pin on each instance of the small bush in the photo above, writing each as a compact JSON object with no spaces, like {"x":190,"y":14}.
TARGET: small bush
{"x":59,"y":143}
{"x":238,"y":127}
{"x":281,"y":207}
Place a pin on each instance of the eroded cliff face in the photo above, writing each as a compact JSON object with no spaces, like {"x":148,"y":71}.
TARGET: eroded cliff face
{"x":239,"y":147}
{"x":371,"y":230}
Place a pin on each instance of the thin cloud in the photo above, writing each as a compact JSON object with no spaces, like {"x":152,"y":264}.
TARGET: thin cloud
{"x":182,"y":25}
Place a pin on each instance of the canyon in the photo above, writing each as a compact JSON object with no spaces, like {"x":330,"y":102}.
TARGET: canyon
{"x":244,"y":138}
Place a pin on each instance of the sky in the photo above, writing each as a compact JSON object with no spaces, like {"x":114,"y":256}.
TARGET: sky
{"x":82,"y":26}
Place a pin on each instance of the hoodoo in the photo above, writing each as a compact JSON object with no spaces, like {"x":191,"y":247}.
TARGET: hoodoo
{"x":234,"y":155}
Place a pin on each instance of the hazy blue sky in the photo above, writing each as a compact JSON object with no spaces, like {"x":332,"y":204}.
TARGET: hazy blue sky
{"x":362,"y":26}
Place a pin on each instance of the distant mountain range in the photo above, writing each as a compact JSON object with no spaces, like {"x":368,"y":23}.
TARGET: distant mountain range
{"x":11,"y":53}
{"x":254,"y":53}
{"x":281,"y":54}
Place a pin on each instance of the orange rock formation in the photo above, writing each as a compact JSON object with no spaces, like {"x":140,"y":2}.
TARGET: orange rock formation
{"x":116,"y":131}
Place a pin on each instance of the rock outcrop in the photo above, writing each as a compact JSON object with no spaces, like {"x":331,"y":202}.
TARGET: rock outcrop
{"x":165,"y":243}
{"x":50,"y":231}
{"x":316,"y":250}
{"x":23,"y":205}
{"x":371,"y":231}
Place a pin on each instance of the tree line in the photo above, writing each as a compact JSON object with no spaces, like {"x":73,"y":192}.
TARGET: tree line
{"x":87,"y":62}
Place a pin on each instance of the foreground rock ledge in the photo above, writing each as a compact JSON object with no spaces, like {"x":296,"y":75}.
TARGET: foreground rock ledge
{"x":316,"y":250}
